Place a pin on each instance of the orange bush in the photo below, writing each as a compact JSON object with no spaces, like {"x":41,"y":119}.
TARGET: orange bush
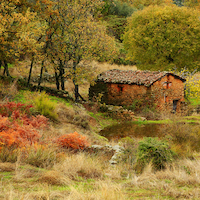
{"x":72,"y":141}
{"x":37,"y":122}
{"x":15,"y":135}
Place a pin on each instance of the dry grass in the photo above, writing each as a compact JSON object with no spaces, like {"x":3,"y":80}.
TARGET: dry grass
{"x":8,"y":90}
{"x":101,"y":190}
{"x":80,"y":165}
{"x":75,"y":115}
{"x":101,"y":67}
{"x":54,"y":178}
{"x":180,"y":181}
{"x":86,"y":178}
{"x":7,"y":167}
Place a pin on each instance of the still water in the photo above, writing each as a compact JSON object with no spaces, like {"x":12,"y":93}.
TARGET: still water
{"x":118,"y":131}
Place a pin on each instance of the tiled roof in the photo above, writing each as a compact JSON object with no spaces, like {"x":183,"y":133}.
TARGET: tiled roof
{"x":133,"y":77}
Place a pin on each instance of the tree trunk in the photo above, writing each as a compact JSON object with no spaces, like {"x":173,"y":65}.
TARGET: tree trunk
{"x":41,"y":72}
{"x":62,"y":71}
{"x":57,"y":81}
{"x":30,"y":71}
{"x":6,"y":69}
{"x":76,"y":93}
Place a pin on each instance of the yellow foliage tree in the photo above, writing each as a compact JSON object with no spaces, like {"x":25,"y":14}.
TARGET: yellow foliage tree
{"x":79,"y":37}
{"x":144,"y":3}
{"x":159,"y":38}
{"x":19,"y":30}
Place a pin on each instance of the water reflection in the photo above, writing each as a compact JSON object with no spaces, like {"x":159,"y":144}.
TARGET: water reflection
{"x":133,"y":130}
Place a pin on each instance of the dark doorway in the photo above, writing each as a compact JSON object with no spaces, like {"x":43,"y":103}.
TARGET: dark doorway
{"x":175,"y":105}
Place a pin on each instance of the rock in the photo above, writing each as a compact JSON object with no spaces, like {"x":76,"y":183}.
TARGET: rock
{"x":115,"y":158}
{"x":143,"y":118}
{"x":115,"y":151}
{"x":118,"y":148}
{"x":97,"y":146}
{"x":112,"y":162}
{"x":108,"y":146}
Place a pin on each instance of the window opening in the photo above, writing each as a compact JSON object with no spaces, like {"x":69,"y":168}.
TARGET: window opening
{"x":167,"y":84}
{"x":120,"y":88}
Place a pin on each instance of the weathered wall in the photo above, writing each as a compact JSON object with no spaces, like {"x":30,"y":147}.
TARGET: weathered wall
{"x":124,"y":94}
{"x":166,"y":90}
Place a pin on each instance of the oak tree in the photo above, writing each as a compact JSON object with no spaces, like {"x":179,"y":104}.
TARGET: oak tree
{"x":19,"y":29}
{"x":163,"y":37}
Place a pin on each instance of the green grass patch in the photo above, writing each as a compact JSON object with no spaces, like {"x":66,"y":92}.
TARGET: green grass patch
{"x":195,"y":102}
{"x":187,"y":119}
{"x":10,"y":65}
{"x":6,"y":175}
{"x":60,"y":188}
{"x":102,"y":119}
{"x":60,"y":100}
{"x":84,"y":185}
{"x":20,"y":97}
{"x":166,"y":121}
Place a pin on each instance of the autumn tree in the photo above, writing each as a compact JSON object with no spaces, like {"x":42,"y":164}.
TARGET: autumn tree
{"x":191,"y":3}
{"x":163,"y":37}
{"x":79,"y":37}
{"x":140,"y":4}
{"x":87,"y":42}
{"x":19,"y":30}
{"x":47,"y":17}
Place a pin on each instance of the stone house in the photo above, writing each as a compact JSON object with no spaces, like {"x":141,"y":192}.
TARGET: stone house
{"x":164,"y":90}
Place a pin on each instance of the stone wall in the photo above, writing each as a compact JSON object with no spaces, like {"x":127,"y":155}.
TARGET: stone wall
{"x":124,"y":94}
{"x":163,"y":93}
{"x":166,"y":91}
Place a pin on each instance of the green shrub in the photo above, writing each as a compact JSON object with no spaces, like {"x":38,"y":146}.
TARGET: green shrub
{"x":118,"y":8}
{"x":45,"y":106}
{"x":154,"y":151}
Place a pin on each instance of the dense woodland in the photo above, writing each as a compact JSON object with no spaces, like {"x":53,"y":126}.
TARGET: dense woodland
{"x":156,"y":34}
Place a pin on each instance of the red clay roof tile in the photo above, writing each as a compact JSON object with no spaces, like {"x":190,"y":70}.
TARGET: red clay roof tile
{"x":146,"y":78}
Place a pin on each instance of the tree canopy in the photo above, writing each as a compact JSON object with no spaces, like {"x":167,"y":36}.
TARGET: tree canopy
{"x":159,"y":38}
{"x":19,"y":30}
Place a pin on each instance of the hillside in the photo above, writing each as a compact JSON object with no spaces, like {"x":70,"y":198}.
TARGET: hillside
{"x":47,"y":157}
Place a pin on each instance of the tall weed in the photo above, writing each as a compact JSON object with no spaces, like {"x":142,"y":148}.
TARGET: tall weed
{"x":45,"y":106}
{"x":184,"y":138}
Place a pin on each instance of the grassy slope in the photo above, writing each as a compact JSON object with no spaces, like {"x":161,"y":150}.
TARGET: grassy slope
{"x":87,"y":176}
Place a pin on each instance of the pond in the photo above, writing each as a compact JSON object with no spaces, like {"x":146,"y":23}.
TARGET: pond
{"x":130,"y":129}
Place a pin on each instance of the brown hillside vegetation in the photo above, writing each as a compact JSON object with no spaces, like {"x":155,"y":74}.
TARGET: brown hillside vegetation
{"x":51,"y":167}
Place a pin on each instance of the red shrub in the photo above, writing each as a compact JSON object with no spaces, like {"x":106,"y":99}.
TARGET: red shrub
{"x":72,"y":141}
{"x":7,"y":109}
{"x":21,"y":113}
{"x":4,"y":123}
{"x":37,"y":122}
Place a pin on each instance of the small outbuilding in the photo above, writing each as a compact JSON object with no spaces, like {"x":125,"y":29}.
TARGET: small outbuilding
{"x":164,"y":90}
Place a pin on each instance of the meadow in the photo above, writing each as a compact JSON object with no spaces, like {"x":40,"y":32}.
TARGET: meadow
{"x":45,"y":150}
